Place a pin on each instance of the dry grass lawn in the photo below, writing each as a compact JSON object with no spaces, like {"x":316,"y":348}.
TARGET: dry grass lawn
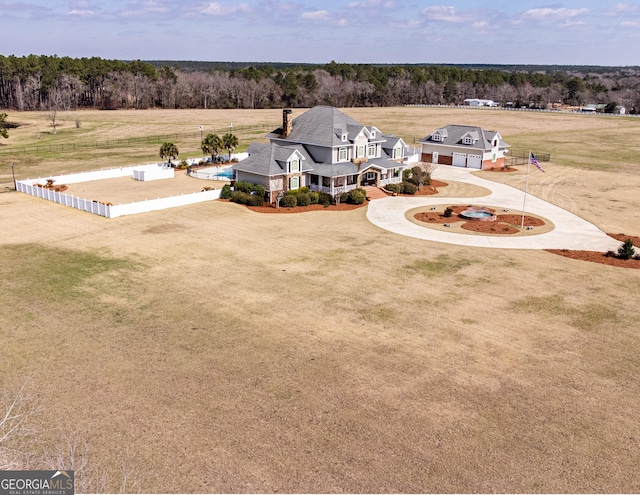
{"x":210,"y":348}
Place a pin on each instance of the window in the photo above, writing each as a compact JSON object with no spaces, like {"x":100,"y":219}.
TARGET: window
{"x":371,"y":151}
{"x":397,"y":152}
{"x":342,"y":154}
{"x":344,"y":138}
{"x":352,"y":179}
{"x":371,"y":175}
{"x":360,"y":152}
{"x":436,"y":137}
{"x":396,"y":172}
{"x":294,"y":165}
{"x":313,"y":179}
{"x":294,"y":183}
{"x":326,"y":181}
{"x":468,"y":140}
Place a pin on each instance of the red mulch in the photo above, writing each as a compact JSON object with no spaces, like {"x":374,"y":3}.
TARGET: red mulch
{"x":503,"y":224}
{"x":602,"y":258}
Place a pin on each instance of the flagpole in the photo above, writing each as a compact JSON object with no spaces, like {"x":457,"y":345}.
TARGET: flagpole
{"x":526,"y":188}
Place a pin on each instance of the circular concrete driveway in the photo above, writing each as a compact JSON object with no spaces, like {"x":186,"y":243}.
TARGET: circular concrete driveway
{"x":570,"y":232}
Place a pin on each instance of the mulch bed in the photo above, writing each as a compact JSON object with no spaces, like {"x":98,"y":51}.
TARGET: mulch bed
{"x":506,"y":224}
{"x":503,"y":224}
{"x":602,"y":258}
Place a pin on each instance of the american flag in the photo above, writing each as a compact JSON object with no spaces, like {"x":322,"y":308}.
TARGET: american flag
{"x":534,"y":161}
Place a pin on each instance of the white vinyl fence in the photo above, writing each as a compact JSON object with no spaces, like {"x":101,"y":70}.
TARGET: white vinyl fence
{"x":108,"y":210}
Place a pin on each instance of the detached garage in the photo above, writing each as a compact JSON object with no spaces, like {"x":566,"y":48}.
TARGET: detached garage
{"x":464,"y":146}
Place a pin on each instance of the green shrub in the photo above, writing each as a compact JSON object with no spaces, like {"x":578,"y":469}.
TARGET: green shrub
{"x":258,"y":190}
{"x":324,"y":198}
{"x":303,"y":199}
{"x":409,"y":188}
{"x":289,"y":201}
{"x":240,"y":197}
{"x":626,"y":251}
{"x":354,"y":197}
{"x":242,"y":186}
{"x":314,"y":197}
{"x":226,"y":192}
{"x":394,"y":188}
{"x":255,"y":200}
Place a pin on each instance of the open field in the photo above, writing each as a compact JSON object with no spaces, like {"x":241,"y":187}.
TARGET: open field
{"x":210,"y":348}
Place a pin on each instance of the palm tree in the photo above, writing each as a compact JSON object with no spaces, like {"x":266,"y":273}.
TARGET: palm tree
{"x":169,"y":151}
{"x":212,"y":144}
{"x":230,"y":141}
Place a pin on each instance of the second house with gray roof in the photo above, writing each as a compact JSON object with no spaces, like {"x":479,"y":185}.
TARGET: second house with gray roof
{"x":325,"y":150}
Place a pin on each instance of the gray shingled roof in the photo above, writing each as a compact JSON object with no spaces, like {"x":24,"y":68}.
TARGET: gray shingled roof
{"x":318,"y":126}
{"x":270,"y":159}
{"x":452,"y":135}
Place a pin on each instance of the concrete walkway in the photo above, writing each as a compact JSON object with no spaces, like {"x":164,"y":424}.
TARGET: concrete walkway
{"x":570,"y":232}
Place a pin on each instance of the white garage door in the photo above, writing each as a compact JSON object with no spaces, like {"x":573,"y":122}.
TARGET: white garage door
{"x":460,"y":159}
{"x":474,"y":161}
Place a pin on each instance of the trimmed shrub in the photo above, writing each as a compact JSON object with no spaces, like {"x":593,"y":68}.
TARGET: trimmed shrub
{"x":226,"y":192}
{"x":394,"y":188}
{"x":354,"y":197}
{"x":240,"y":197}
{"x":255,"y":200}
{"x":324,"y":198}
{"x":258,"y":190}
{"x":448,"y":212}
{"x":314,"y":197}
{"x":303,"y":199}
{"x":242,"y":186}
{"x":409,"y":188}
{"x":289,"y":201}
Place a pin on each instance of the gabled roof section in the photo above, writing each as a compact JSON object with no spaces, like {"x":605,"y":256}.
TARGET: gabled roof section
{"x":271,"y":159}
{"x":318,"y":126}
{"x":453,"y":135}
{"x":391,"y":142}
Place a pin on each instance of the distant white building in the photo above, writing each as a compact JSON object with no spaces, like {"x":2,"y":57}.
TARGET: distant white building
{"x":477,"y":102}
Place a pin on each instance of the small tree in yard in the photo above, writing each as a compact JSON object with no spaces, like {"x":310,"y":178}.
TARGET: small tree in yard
{"x":169,"y":151}
{"x":626,"y":251}
{"x":212,"y":144}
{"x":421,"y":174}
{"x":230,"y":142}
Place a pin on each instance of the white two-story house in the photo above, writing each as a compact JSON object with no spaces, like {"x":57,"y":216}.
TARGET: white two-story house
{"x":325,"y":150}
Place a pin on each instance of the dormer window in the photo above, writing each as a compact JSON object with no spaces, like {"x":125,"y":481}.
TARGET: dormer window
{"x":467,"y":140}
{"x":294,"y":165}
{"x":373,"y":134}
{"x":342,"y":154}
{"x":397,"y":152}
{"x":436,"y":137}
{"x":344,"y":137}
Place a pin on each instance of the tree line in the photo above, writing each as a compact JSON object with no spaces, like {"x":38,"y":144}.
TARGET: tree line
{"x":63,"y":83}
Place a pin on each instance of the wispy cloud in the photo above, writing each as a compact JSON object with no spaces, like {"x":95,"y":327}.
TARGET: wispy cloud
{"x":386,"y":4}
{"x":559,"y":14}
{"x":445,"y":13}
{"x":84,"y":13}
{"x":318,"y":15}
{"x":217,"y":9}
{"x":623,"y":9}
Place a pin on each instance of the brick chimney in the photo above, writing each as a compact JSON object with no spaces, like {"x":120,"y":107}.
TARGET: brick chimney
{"x":287,"y":122}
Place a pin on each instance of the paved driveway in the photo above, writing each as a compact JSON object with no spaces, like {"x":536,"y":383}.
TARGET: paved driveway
{"x":571,"y":231}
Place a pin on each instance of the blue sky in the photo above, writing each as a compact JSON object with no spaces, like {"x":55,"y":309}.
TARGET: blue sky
{"x":581,"y":32}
